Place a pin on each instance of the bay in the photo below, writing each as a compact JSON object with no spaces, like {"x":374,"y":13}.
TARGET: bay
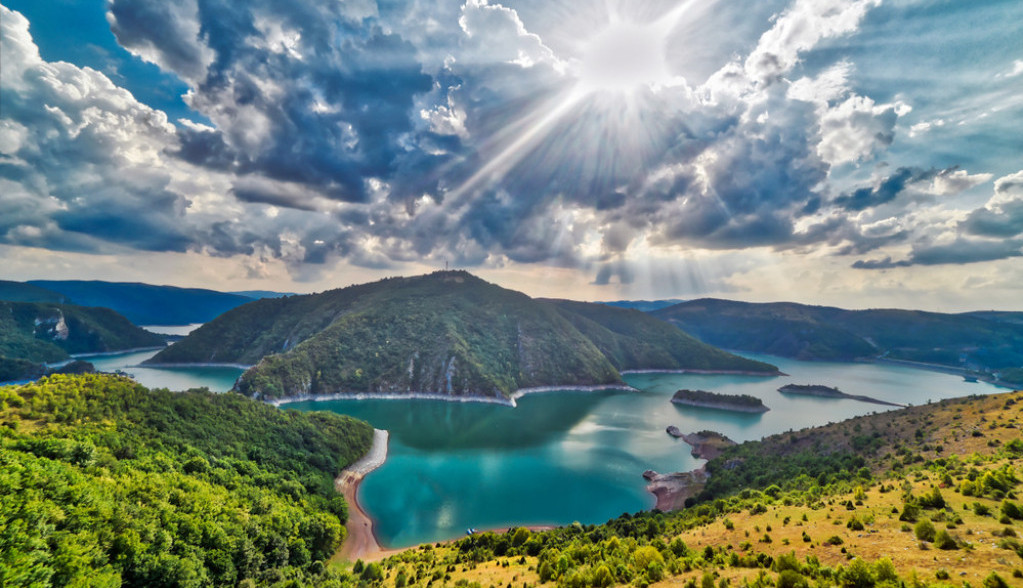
{"x":567,"y":456}
{"x":562,"y":457}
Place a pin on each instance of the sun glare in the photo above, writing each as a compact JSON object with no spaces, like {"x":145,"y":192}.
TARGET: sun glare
{"x":624,"y":56}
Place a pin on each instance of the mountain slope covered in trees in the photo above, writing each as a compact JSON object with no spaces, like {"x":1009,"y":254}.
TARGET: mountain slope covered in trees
{"x":976,"y":341}
{"x":445,"y":333}
{"x":43,"y":332}
{"x":107,"y":483}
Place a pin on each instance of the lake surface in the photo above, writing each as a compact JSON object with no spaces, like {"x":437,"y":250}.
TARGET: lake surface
{"x":573,"y":456}
{"x":561,"y":457}
{"x":217,"y":379}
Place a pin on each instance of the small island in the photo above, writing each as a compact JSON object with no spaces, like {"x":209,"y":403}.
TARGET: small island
{"x":731,"y":402}
{"x":829,"y":392}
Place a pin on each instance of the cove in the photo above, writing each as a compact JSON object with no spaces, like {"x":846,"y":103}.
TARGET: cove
{"x":563,"y":457}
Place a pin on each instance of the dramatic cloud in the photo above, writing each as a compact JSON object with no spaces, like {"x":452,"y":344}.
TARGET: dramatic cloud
{"x":489,"y":134}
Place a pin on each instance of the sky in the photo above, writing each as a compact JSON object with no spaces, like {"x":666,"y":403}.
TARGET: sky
{"x":857,"y":153}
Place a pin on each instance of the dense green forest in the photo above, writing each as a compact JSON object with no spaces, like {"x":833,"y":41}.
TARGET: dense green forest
{"x":634,"y":340}
{"x":989,"y":341}
{"x":447,"y":333}
{"x":107,"y":483}
{"x":46,"y":332}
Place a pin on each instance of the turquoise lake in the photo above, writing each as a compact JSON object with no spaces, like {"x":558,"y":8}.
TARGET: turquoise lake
{"x":561,"y":457}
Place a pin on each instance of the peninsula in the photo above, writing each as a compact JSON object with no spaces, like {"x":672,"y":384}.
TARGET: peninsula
{"x":446,"y":335}
{"x":829,"y":392}
{"x":731,"y":402}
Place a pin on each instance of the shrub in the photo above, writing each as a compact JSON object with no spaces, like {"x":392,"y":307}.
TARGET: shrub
{"x":942,"y":540}
{"x":924,"y":530}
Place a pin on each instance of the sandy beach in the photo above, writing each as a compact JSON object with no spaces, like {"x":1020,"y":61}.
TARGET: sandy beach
{"x":361,"y":542}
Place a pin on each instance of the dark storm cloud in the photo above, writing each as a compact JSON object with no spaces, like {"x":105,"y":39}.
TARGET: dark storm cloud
{"x":959,"y":252}
{"x":886,"y":191}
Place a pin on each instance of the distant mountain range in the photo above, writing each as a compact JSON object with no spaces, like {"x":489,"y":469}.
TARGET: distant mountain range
{"x":984,"y":341}
{"x":644,"y":305}
{"x":447,"y":333}
{"x":145,"y":304}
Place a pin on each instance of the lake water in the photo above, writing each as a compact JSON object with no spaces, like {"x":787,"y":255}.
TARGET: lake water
{"x":562,"y":457}
{"x":217,"y":379}
{"x":573,"y":456}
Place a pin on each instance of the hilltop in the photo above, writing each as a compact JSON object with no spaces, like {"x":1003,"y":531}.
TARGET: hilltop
{"x":982,"y":341}
{"x":447,"y":333}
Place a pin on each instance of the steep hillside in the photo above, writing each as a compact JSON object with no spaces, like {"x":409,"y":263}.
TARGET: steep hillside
{"x":982,"y":341}
{"x":41,"y":332}
{"x":21,"y":292}
{"x":107,"y":483}
{"x":634,"y":340}
{"x":146,"y":304}
{"x":445,"y":333}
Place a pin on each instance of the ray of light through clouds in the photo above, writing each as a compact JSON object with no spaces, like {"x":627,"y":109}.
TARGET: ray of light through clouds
{"x":849,"y":152}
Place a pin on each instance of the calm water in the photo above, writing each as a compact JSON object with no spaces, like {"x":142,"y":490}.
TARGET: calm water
{"x":565,"y":456}
{"x":217,"y":379}
{"x":572,"y":456}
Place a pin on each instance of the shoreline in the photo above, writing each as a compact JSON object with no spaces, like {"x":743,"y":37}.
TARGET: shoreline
{"x":361,"y":541}
{"x":116,"y":351}
{"x":510,"y":401}
{"x":726,"y":407}
{"x":145,"y":364}
{"x":709,"y":372}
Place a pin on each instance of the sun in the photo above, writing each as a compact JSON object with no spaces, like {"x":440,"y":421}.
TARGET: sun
{"x":624,"y":56}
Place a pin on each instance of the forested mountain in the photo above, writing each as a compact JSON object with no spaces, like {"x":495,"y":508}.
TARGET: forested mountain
{"x":107,"y":483}
{"x":41,"y":332}
{"x":445,"y":333}
{"x":982,"y":341}
{"x":146,"y":304}
{"x":22,"y":292}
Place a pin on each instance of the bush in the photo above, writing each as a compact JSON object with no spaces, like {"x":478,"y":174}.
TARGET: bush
{"x":791,"y":579}
{"x":942,"y":540}
{"x":924,"y":530}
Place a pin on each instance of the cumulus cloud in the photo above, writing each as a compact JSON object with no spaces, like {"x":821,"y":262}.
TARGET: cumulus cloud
{"x":393,"y":133}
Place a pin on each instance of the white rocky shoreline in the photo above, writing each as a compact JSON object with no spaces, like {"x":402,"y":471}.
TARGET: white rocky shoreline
{"x":510,"y":401}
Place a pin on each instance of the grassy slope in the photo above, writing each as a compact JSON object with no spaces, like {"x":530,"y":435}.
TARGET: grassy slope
{"x":146,"y":304}
{"x":815,"y":332}
{"x":106,"y":482}
{"x":800,"y":508}
{"x":28,"y":331}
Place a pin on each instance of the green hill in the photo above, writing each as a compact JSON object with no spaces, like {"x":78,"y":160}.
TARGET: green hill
{"x":445,"y":333}
{"x":22,"y":292}
{"x":146,"y":304}
{"x":107,"y":483}
{"x":41,"y":332}
{"x":981,"y":341}
{"x":634,"y":340}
